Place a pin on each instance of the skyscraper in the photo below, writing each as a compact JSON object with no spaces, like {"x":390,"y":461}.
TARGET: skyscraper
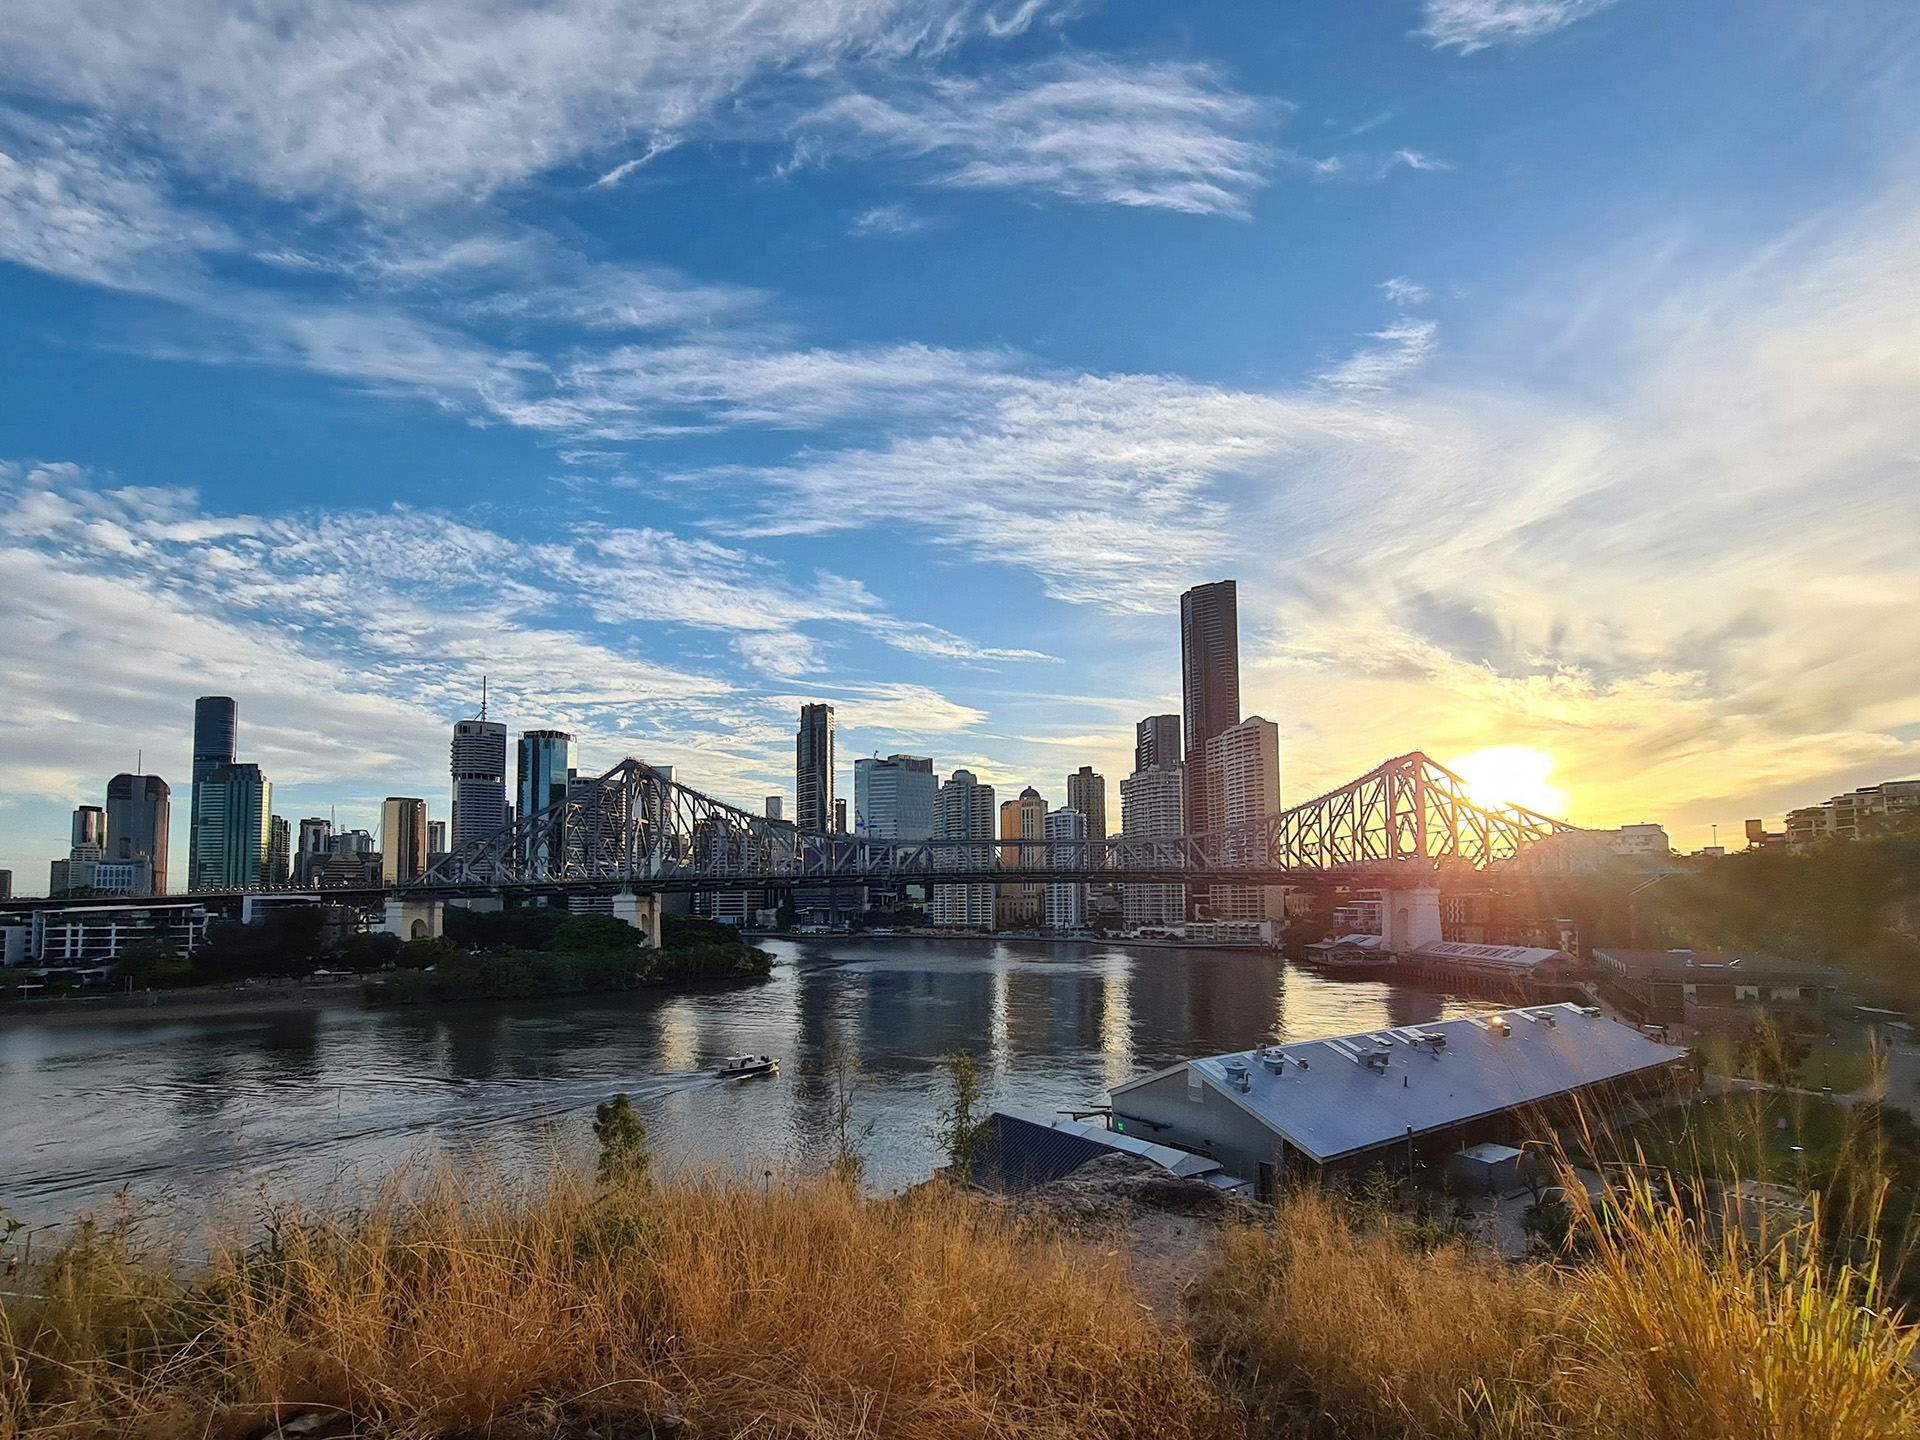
{"x":232,"y":807}
{"x":215,"y":720}
{"x":1066,"y":904}
{"x":1019,"y":907}
{"x":279,"y":854}
{"x":839,"y":816}
{"x":139,"y":821}
{"x":964,"y":812}
{"x":403,"y":839}
{"x":1243,"y":789}
{"x":894,"y":798}
{"x":813,"y":770}
{"x":1209,"y":679}
{"x":776,"y":807}
{"x":479,"y":774}
{"x":90,"y":828}
{"x":1087,"y":793}
{"x":549,"y":764}
{"x":1153,"y":806}
{"x":437,"y":837}
{"x":1156,"y":743}
{"x":315,"y":840}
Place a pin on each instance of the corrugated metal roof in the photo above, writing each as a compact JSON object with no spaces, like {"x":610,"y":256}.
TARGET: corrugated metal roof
{"x":1356,"y":1092}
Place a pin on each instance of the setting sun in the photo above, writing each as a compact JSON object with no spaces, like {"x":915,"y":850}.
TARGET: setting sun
{"x":1512,"y":775}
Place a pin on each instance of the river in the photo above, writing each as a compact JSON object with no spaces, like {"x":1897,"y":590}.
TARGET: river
{"x":198,"y":1113}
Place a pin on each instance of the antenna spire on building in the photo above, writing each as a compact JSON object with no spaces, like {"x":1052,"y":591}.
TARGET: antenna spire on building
{"x":483,"y":697}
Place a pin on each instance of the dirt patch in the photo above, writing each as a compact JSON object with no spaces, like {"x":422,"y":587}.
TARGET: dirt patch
{"x":1164,"y":1226}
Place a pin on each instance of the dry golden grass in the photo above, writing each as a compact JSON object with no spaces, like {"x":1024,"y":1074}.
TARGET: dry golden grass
{"x":461,"y":1310}
{"x":1664,"y":1331}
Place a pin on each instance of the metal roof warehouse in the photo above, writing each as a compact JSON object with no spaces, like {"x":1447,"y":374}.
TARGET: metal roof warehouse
{"x":1357,"y":1098}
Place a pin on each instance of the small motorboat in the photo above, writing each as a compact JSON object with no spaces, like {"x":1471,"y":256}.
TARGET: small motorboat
{"x":738,"y":1067}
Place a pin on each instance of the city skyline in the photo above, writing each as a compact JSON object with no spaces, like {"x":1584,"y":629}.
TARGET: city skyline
{"x":1578,"y":447}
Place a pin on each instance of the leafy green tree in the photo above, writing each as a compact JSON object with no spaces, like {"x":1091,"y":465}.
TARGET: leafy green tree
{"x":424,"y":954}
{"x":964,"y":1133}
{"x":624,"y":1158}
{"x":585,"y":934}
{"x":523,"y":927}
{"x":367,"y":951}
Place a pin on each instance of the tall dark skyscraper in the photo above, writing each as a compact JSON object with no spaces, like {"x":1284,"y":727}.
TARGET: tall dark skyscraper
{"x":1156,"y":743}
{"x":813,"y":770}
{"x":215,"y":719}
{"x":1209,"y":679}
{"x":139,"y":819}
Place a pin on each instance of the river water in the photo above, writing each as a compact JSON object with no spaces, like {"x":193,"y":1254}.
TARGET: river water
{"x":202,"y":1112}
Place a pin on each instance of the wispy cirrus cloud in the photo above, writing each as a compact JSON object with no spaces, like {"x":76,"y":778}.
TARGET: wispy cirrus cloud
{"x":429,"y":102}
{"x":1163,"y":135}
{"x":1470,"y":25}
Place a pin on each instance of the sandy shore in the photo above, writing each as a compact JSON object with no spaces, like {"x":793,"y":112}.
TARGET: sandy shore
{"x":223,"y":1002}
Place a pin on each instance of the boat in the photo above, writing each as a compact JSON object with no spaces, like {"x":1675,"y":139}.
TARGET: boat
{"x":736,"y":1067}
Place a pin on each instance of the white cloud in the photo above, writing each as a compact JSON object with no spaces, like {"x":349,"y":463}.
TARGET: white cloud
{"x":69,"y":210}
{"x":1166,"y":136}
{"x":892,"y":219}
{"x":1413,"y":160}
{"x":1469,"y":25}
{"x":1402,"y":291}
{"x":423,"y":102}
{"x":1407,"y":345}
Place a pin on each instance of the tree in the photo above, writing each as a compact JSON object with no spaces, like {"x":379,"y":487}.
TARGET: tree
{"x":583,"y":934}
{"x":849,"y":1162}
{"x":964,"y":1133}
{"x":624,"y":1158}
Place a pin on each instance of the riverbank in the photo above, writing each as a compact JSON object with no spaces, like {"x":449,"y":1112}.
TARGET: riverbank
{"x":212,"y":1002}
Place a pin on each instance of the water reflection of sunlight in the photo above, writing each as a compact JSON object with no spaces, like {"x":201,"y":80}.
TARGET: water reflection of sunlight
{"x":999,"y":1043}
{"x":1116,"y":1019}
{"x":679,"y":1036}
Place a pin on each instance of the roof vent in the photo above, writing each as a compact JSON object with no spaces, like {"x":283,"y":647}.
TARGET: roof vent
{"x":1592,"y":1012}
{"x":1376,"y":1061}
{"x":1500,"y":1025}
{"x":1552,"y":1024}
{"x":1432,"y":1043}
{"x":1237,"y":1074}
{"x":1274,"y":1058}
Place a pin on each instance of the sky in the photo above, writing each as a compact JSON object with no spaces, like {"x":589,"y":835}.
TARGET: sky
{"x":1546,"y":372}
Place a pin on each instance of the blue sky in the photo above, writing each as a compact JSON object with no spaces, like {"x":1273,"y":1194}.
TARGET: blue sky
{"x":1544,"y":370}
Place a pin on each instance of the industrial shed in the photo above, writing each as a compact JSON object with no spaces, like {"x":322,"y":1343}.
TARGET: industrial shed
{"x":1416,"y":1092}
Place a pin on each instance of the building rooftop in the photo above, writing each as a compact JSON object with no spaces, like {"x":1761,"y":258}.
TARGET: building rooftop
{"x":1338,"y":1097}
{"x":1716,"y":966}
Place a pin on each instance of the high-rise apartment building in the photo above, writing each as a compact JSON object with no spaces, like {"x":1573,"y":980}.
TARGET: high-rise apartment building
{"x":894,"y":798}
{"x":839,"y":815}
{"x":1066,"y":904}
{"x":1153,"y":806}
{"x":403,"y":839}
{"x":1209,"y":680}
{"x":776,"y":807}
{"x":6,"y":884}
{"x":216,"y":720}
{"x":232,"y":810}
{"x":1087,"y":793}
{"x":1156,"y":743}
{"x":436,"y":838}
{"x":1856,"y":815}
{"x":479,"y":774}
{"x":1020,"y":907}
{"x":964,"y":811}
{"x":813,"y":770}
{"x":279,"y":854}
{"x":1243,"y":789}
{"x":139,"y":823}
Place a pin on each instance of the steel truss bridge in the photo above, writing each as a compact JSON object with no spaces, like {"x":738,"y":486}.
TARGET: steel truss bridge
{"x":1409,"y":821}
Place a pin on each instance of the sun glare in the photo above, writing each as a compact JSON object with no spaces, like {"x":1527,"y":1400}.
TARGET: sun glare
{"x":1511,"y":775}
